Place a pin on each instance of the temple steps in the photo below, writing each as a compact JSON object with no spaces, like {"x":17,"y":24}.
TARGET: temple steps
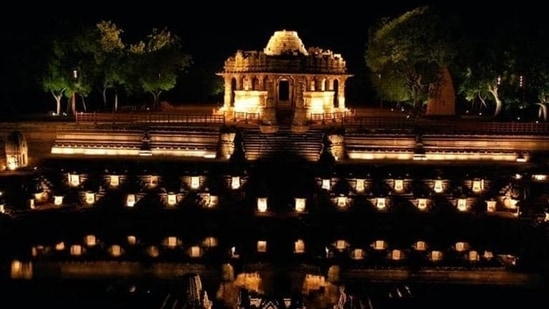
{"x":282,"y":144}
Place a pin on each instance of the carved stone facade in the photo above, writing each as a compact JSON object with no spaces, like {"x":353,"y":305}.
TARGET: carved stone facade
{"x":284,"y":77}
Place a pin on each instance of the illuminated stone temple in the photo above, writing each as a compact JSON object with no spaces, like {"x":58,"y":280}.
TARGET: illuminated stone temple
{"x":285,"y":76}
{"x":355,"y":207}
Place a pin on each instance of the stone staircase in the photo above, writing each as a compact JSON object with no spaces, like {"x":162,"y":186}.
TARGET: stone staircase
{"x":282,"y":145}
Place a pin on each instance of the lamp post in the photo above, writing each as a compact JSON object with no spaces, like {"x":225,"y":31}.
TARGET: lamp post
{"x":73,"y":99}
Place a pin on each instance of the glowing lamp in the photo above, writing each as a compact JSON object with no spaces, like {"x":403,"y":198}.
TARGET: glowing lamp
{"x":299,"y":246}
{"x":262,"y":204}
{"x":76,"y":250}
{"x":235,"y":182}
{"x":172,"y":199}
{"x":132,"y":240}
{"x":115,"y":250}
{"x":360,"y":185}
{"x":300,"y":204}
{"x":130,"y":200}
{"x":90,"y":198}
{"x":90,"y":240}
{"x":462,"y":204}
{"x":399,"y":185}
{"x":195,"y":251}
{"x":438,"y":186}
{"x":114,"y":180}
{"x":262,"y":246}
{"x":357,"y":254}
{"x":58,"y":200}
{"x":380,"y":203}
{"x":195,"y":182}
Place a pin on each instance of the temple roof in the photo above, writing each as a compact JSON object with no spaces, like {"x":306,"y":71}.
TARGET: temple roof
{"x":285,"y":42}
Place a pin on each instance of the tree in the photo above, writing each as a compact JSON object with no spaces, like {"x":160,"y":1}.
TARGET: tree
{"x":407,"y":53}
{"x":159,"y":60}
{"x":54,"y":79}
{"x":109,"y":56}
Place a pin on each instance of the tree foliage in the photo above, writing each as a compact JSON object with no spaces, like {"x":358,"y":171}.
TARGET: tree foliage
{"x":406,"y":53}
{"x":98,"y":58}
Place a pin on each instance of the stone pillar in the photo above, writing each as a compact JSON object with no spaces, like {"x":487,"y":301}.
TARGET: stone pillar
{"x":300,"y":112}
{"x":341,"y":94}
{"x":269,"y":113}
{"x":228,"y":92}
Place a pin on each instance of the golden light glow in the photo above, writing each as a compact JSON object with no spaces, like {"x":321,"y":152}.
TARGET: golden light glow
{"x":171,"y":242}
{"x":76,"y":250}
{"x":478,"y":186}
{"x":380,"y":203}
{"x":132,"y":240}
{"x":90,"y":198}
{"x":74,"y":180}
{"x":438,"y":186}
{"x":299,"y":246}
{"x":422,"y":204}
{"x":360,"y":185}
{"x":235,"y":182}
{"x":115,"y":250}
{"x":326,"y":185}
{"x":60,"y":246}
{"x":153,"y":251}
{"x":195,"y":182}
{"x":31,"y":203}
{"x":114,"y":181}
{"x":90,"y":240}
{"x":462,"y":204}
{"x":316,"y":105}
{"x":357,"y":254}
{"x":399,"y":185}
{"x":262,"y":246}
{"x":420,"y":245}
{"x":153,"y":181}
{"x":130,"y":200}
{"x":58,"y":200}
{"x":490,"y":206}
{"x":209,"y":242}
{"x":473,"y":256}
{"x":379,"y":244}
{"x":436,"y":256}
{"x":21,"y":270}
{"x":262,"y":204}
{"x":213,"y":201}
{"x":488,"y":255}
{"x":300,"y":204}
{"x":539,"y":177}
{"x":172,"y":199}
{"x":397,"y":255}
{"x":2,"y":208}
{"x":342,"y":201}
{"x":461,"y":246}
{"x":233,"y":253}
{"x":195,"y":251}
{"x":247,"y":104}
{"x":12,"y":163}
{"x":341,"y":245}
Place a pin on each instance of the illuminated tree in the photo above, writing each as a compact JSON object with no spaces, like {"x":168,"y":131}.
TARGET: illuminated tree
{"x":55,"y":79}
{"x":109,"y":57}
{"x":406,"y":54}
{"x":159,"y":61}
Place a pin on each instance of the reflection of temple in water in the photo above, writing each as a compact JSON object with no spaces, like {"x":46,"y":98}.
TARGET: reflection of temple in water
{"x":242,"y":209}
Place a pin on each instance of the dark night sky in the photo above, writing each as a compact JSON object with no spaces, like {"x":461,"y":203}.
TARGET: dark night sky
{"x":210,"y":31}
